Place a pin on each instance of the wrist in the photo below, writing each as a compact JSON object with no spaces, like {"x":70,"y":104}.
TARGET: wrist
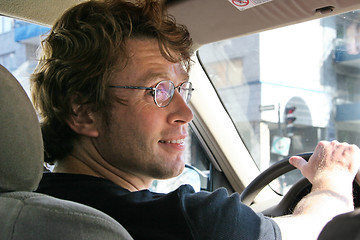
{"x":346,"y":199}
{"x":341,"y":184}
{"x":328,"y":202}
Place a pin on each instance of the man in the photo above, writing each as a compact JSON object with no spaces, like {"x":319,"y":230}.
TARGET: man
{"x":112,"y":89}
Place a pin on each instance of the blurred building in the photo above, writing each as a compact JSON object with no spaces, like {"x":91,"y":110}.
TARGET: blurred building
{"x":19,"y":42}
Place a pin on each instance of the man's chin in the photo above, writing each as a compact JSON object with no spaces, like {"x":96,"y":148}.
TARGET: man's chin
{"x":171,"y":171}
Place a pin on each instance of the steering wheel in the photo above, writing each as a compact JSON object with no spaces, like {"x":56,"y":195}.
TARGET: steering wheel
{"x":296,"y":192}
{"x":289,"y":201}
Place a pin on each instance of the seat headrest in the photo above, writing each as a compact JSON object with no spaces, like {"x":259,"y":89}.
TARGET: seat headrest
{"x":21,"y":154}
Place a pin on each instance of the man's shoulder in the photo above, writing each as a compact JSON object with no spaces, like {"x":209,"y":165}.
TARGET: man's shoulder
{"x":59,"y":184}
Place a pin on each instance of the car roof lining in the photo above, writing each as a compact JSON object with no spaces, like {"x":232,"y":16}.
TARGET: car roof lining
{"x":200,"y":16}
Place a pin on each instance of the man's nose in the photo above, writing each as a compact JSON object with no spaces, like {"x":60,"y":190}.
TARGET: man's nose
{"x":180,"y":111}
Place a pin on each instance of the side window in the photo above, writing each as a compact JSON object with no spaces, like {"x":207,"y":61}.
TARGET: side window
{"x":6,"y":24}
{"x":19,"y":43}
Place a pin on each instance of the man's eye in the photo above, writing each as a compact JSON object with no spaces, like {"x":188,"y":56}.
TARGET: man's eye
{"x":162,"y":94}
{"x":151,"y":92}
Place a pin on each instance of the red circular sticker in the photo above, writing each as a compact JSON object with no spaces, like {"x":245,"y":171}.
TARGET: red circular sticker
{"x":240,"y":3}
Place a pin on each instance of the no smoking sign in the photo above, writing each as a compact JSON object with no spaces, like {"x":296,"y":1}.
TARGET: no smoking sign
{"x":240,"y":3}
{"x":246,"y":4}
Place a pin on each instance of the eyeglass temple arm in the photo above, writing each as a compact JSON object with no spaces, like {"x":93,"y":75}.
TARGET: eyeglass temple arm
{"x":131,"y":87}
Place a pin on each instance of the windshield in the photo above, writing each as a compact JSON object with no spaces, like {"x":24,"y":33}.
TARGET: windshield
{"x":288,"y":88}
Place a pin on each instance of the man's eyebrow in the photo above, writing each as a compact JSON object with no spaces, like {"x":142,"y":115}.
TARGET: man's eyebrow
{"x":152,"y":78}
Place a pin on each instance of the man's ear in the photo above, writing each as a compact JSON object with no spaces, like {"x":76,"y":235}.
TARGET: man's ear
{"x":82,"y":120}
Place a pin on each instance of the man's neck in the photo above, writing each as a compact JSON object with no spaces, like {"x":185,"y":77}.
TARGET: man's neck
{"x":84,"y":159}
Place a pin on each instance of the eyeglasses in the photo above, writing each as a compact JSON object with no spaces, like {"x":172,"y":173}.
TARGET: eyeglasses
{"x":164,"y":91}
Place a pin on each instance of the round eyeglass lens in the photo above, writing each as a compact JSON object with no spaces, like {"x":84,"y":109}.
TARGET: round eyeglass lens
{"x":185,"y":90}
{"x":164,"y":93}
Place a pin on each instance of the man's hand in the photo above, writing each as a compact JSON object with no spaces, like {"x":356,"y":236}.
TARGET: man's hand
{"x":331,"y":170}
{"x":332,"y":166}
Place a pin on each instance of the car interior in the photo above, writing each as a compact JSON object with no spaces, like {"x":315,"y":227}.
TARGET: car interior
{"x":25,"y":214}
{"x":271,"y":79}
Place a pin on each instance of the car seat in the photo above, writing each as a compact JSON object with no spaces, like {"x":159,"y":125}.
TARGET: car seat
{"x":345,"y":226}
{"x":23,"y":213}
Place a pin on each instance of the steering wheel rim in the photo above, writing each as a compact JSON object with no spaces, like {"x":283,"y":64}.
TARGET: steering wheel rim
{"x":263,"y":179}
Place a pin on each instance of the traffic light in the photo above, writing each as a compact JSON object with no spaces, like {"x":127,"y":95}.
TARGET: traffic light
{"x":289,"y":120}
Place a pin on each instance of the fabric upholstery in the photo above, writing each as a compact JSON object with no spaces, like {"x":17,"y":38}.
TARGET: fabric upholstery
{"x":23,"y":213}
{"x":21,"y":155}
{"x":26,"y":215}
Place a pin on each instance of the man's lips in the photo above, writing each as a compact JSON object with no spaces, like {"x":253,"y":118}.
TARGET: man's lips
{"x":177,"y":141}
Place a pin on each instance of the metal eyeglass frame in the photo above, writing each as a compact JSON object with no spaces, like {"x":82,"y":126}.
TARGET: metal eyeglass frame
{"x":153,"y":91}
